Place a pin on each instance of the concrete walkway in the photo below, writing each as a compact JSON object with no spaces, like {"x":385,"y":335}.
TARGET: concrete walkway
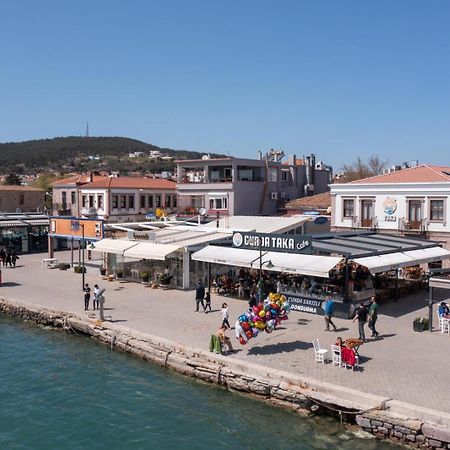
{"x":402,"y":365}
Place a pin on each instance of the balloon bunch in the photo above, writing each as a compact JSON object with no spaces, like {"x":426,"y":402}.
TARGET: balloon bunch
{"x":263,"y":317}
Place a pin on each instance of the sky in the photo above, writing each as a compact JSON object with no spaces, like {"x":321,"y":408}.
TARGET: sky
{"x":340,"y":79}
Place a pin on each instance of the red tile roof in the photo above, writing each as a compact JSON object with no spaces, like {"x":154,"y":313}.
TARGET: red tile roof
{"x":420,"y":174}
{"x":131,"y":183}
{"x":15,"y":187}
{"x":320,"y":201}
{"x":77,"y":179}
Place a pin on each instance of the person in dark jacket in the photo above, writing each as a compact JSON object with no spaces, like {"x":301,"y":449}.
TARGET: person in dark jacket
{"x":361,"y":314}
{"x":199,"y":296}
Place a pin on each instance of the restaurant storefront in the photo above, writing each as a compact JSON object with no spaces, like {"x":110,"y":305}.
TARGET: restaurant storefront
{"x":352,"y":267}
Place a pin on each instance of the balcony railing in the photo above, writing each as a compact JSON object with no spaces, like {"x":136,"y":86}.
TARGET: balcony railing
{"x":413,"y":226}
{"x":88,"y":211}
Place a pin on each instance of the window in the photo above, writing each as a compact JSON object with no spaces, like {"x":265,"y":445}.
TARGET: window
{"x":272,"y":175}
{"x":73,"y":198}
{"x":91,"y":201}
{"x":415,"y":210}
{"x":84,"y":200}
{"x":218,"y":203}
{"x":158,"y":200}
{"x":274,"y":195}
{"x":174,"y":201}
{"x":100,"y":201}
{"x":131,"y":201}
{"x":348,"y":208}
{"x":150,"y":201}
{"x":142,"y":202}
{"x":115,"y":201}
{"x":437,"y":210}
{"x":284,"y":175}
{"x":63,"y":199}
{"x":168,"y":202}
{"x":123,"y":201}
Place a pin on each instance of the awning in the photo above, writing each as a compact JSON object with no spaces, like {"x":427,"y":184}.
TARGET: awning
{"x":312,"y":265}
{"x":116,"y":246}
{"x":149,"y":250}
{"x":391,"y":261}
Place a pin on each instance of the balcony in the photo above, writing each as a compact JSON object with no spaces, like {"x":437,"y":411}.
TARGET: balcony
{"x":367,"y":224}
{"x":88,"y":211}
{"x":413,"y":227}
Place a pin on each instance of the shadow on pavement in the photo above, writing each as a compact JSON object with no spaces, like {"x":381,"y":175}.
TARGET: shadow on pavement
{"x":117,"y":320}
{"x":279,"y":348}
{"x":9,"y":284}
{"x":303,"y":321}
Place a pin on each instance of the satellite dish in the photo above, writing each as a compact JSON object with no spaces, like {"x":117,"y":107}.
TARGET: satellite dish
{"x":202,"y":211}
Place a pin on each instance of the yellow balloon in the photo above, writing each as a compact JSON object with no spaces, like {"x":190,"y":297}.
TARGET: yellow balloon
{"x":260,"y":325}
{"x":262,"y":314}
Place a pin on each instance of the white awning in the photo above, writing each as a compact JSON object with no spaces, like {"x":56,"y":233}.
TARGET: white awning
{"x":116,"y":246}
{"x":312,"y":265}
{"x":149,"y":250}
{"x":391,"y":261}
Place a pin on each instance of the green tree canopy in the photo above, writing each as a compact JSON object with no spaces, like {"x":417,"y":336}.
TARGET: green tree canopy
{"x":13,"y":179}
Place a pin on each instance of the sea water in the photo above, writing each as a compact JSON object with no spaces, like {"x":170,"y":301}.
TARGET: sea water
{"x":60,"y":391}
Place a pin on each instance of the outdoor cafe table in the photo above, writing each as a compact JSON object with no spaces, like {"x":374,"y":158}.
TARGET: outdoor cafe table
{"x":354,"y":343}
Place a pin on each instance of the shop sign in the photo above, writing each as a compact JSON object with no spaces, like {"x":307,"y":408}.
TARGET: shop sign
{"x":305,"y":304}
{"x":389,"y":207}
{"x":286,"y":243}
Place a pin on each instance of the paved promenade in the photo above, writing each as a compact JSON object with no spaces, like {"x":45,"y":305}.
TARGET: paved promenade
{"x":403,"y":365}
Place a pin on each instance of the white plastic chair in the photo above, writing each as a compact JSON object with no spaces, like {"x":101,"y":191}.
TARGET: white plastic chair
{"x":336,"y":355}
{"x":444,"y":324}
{"x":319,"y":353}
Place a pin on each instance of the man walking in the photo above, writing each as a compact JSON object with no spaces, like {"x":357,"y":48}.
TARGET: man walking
{"x":361,"y":315}
{"x":373,"y":316}
{"x":199,"y":296}
{"x":87,"y":296}
{"x":96,"y":295}
{"x":329,"y":310}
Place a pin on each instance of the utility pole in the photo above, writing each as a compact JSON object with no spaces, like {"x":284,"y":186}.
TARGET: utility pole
{"x":82,"y":256}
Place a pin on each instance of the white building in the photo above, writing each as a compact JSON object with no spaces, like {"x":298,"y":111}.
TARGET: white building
{"x":413,"y":201}
{"x":125,"y":199}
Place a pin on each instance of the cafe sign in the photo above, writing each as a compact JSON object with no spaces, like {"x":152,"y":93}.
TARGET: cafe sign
{"x":305,"y":304}
{"x":286,"y":243}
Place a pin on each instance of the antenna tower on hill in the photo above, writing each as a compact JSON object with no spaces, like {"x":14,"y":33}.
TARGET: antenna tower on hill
{"x":87,"y":130}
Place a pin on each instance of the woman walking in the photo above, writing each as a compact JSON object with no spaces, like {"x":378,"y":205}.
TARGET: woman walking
{"x":225,"y":315}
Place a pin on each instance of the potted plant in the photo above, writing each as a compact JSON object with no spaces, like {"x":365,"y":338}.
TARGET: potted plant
{"x":144,"y":276}
{"x":165,"y":279}
{"x":79,"y":269}
{"x":102,"y":271}
{"x":420,"y":324}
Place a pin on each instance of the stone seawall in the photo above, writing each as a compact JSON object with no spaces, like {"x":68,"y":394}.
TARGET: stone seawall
{"x":384,"y":418}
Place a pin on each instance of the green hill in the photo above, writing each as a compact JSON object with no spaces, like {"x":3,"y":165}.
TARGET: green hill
{"x":72,"y":153}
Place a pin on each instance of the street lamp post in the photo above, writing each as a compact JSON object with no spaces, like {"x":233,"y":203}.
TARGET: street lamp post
{"x":82,"y":256}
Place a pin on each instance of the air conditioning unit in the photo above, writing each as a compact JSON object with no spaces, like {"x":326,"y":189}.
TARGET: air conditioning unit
{"x":274,"y":195}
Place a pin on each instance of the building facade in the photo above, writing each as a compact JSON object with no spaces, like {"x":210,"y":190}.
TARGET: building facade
{"x":66,"y":201}
{"x":127,"y":199}
{"x":21,"y":198}
{"x":237,"y":186}
{"x":413,"y":201}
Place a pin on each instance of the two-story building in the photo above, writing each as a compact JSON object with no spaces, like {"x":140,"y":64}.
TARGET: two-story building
{"x":238,"y":186}
{"x":127,"y":199}
{"x":413,"y":201}
{"x":66,"y":200}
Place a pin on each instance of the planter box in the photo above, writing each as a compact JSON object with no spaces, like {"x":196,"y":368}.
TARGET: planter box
{"x":420,"y":325}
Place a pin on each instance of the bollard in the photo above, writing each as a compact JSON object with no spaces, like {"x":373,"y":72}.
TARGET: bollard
{"x":101,"y":301}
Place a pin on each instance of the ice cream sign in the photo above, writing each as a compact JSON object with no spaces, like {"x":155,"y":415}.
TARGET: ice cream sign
{"x":389,"y":207}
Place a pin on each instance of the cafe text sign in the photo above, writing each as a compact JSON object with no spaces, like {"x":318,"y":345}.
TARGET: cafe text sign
{"x":287,"y":243}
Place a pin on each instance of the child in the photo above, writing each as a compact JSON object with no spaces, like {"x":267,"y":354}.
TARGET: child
{"x":207,"y":302}
{"x":225,"y":315}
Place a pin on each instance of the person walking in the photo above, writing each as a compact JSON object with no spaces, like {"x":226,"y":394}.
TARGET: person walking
{"x":329,"y":310}
{"x":252,"y":302}
{"x":361,"y":314}
{"x":2,"y":256}
{"x":199,"y":296}
{"x":95,"y":301}
{"x":87,"y":296}
{"x":208,"y":302}
{"x":225,"y":315}
{"x":373,"y":316}
{"x":14,"y":258}
{"x":8,"y":260}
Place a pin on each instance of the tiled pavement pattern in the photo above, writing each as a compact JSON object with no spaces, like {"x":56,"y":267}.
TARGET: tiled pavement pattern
{"x":404,"y":365}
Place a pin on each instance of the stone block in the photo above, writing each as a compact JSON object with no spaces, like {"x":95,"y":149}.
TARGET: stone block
{"x":398,"y":434}
{"x":363,"y":422}
{"x":389,"y":426}
{"x":402,"y":430}
{"x":383,"y":430}
{"x":435,"y":444}
{"x":377,"y":423}
{"x":420,"y":438}
{"x":410,"y":437}
{"x":436,"y":433}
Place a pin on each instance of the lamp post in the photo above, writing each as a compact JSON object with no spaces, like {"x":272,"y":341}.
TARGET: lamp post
{"x":261,"y":264}
{"x":82,"y":256}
